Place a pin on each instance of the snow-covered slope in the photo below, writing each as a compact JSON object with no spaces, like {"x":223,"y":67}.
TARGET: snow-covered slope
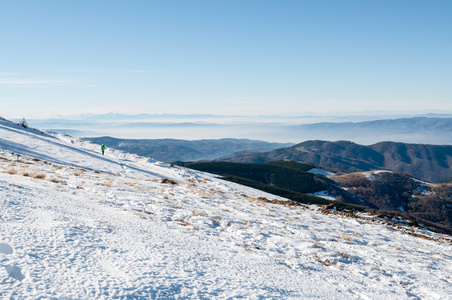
{"x":78,"y":225}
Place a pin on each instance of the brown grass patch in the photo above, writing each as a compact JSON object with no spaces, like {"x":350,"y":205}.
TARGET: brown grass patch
{"x":197,"y":214}
{"x":325,"y":262}
{"x":345,"y":238}
{"x":38,"y":175}
{"x":343,"y":254}
{"x":55,"y":180}
{"x":183,"y":223}
{"x":12,"y":171}
{"x":216,"y":220}
{"x":204,"y":195}
{"x":249,"y":248}
{"x":317,"y":244}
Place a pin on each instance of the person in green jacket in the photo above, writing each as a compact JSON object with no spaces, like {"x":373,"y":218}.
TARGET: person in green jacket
{"x":103,"y":148}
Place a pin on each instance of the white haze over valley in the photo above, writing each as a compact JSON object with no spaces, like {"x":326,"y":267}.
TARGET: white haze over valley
{"x":78,"y":225}
{"x":293,"y":128}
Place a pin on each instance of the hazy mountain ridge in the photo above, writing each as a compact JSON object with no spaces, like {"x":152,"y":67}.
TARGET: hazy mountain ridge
{"x":170,"y":150}
{"x":426,"y":129}
{"x":428,"y":162}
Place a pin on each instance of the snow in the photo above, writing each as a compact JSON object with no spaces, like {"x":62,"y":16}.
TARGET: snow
{"x":78,"y":225}
{"x":323,"y":194}
{"x":375,"y":174}
{"x":321,"y":172}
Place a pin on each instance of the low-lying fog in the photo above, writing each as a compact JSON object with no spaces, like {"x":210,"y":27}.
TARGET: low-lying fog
{"x":365,"y":129}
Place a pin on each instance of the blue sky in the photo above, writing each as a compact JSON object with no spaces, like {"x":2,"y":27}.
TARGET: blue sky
{"x":224,"y":57}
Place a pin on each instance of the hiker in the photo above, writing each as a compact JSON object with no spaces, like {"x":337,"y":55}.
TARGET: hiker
{"x":102,"y":148}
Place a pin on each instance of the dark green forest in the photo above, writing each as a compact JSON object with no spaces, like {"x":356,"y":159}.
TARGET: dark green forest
{"x":287,"y":179}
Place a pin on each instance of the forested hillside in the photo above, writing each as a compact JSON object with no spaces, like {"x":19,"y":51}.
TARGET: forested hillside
{"x":380,"y":192}
{"x":428,"y":162}
{"x":284,"y":178}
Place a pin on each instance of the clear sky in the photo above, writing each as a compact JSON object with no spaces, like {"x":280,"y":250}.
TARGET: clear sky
{"x":224,"y":57}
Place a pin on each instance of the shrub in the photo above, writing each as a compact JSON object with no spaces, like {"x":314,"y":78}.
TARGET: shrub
{"x":23,"y":123}
{"x":166,"y":180}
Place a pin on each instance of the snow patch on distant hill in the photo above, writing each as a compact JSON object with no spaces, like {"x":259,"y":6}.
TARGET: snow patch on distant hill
{"x":321,"y":172}
{"x":375,"y":174}
{"x":323,"y":194}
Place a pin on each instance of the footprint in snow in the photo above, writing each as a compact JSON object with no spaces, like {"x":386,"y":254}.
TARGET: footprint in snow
{"x":15,"y":272}
{"x":6,"y":249}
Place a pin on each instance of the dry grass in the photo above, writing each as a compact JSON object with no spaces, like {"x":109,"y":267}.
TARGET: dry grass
{"x":216,"y":220}
{"x":12,"y":171}
{"x":183,"y":223}
{"x":345,"y":238}
{"x":343,"y":254}
{"x":325,"y":262}
{"x":38,"y":175}
{"x":248,"y":247}
{"x":317,"y":244}
{"x":108,"y":182}
{"x":55,"y":180}
{"x":197,"y":214}
{"x":204,"y":195}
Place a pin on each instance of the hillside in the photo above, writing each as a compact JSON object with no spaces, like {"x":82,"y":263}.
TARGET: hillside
{"x":397,"y":192}
{"x":78,"y":225}
{"x":379,"y":192}
{"x":170,"y":150}
{"x":428,"y":162}
{"x":286,"y":179}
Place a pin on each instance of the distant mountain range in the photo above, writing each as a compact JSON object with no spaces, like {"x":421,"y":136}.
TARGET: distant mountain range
{"x":428,"y":162}
{"x":434,"y":129}
{"x":408,"y":130}
{"x":171,"y":150}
